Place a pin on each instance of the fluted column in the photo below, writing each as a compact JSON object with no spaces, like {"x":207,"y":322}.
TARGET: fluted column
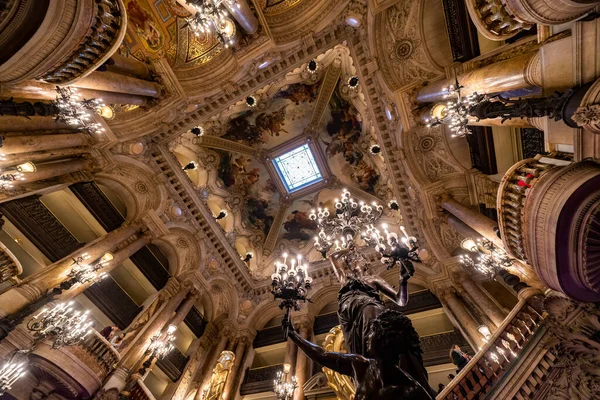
{"x":35,"y":285}
{"x":230,"y":386}
{"x":47,"y":171}
{"x":463,"y":316}
{"x":113,"y":82}
{"x":212,"y":362}
{"x":302,"y":360}
{"x":515,"y":73}
{"x":140,"y":344}
{"x":477,"y":221}
{"x":495,"y":313}
{"x":29,"y":143}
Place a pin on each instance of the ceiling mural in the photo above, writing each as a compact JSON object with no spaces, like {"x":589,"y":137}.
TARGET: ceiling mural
{"x":288,"y":112}
{"x":346,"y":144}
{"x":268,"y":210}
{"x":247,"y":179}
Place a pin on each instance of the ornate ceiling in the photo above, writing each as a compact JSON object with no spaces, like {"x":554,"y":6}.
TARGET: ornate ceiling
{"x":293,"y":107}
{"x":236,"y":154}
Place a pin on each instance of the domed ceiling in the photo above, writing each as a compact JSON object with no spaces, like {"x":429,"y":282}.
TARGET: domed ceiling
{"x":291,"y":147}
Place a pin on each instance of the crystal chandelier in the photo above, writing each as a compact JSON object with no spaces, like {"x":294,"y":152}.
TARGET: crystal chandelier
{"x":354,"y":217}
{"x":13,"y":369}
{"x":290,"y":283}
{"x":455,"y":113}
{"x":67,"y":326}
{"x":491,"y":259}
{"x":282,"y":386}
{"x":7,"y":178}
{"x":212,"y":17}
{"x":76,"y":111}
{"x":161,"y":346}
{"x":83,"y":272}
{"x":350,"y":218}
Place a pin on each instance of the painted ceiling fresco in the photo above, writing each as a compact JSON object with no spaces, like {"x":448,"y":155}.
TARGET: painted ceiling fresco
{"x":288,"y":113}
{"x":248,"y":178}
{"x":273,"y":221}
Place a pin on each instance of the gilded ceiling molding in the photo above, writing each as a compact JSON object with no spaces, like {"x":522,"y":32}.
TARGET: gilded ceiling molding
{"x":397,"y":34}
{"x":305,"y":16}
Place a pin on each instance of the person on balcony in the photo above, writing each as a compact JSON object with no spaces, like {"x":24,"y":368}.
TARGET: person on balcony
{"x":459,"y":358}
{"x":386,"y":373}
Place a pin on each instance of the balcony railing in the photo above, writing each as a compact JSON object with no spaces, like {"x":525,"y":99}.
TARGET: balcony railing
{"x":512,"y":193}
{"x":259,"y":380}
{"x":173,"y":364}
{"x":488,"y":366}
{"x":97,"y":354}
{"x":139,"y":391}
{"x":9,"y":265}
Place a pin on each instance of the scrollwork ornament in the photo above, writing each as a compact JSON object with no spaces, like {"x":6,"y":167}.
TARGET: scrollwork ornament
{"x":587,"y":115}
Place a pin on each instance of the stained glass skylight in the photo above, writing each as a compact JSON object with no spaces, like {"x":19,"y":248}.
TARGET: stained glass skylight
{"x":297,"y":168}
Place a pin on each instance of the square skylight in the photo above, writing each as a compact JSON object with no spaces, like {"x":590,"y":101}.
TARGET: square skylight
{"x":298,"y":168}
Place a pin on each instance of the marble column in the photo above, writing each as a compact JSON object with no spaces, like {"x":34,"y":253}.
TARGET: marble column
{"x":113,"y":82}
{"x":291,"y":351}
{"x":30,"y":143}
{"x":184,"y":309}
{"x":35,"y":90}
{"x":46,"y":155}
{"x":128,"y":66}
{"x":302,"y":361}
{"x":39,"y":283}
{"x":491,"y":309}
{"x":230,"y":387}
{"x":160,"y":320}
{"x":197,"y":353}
{"x":210,"y":365}
{"x":118,"y":258}
{"x":475,"y":220}
{"x":463,"y":317}
{"x":47,"y":171}
{"x":514,"y":73}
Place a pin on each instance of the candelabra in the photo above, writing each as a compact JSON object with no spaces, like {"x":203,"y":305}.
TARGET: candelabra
{"x":290,"y":283}
{"x":13,"y":369}
{"x":282,"y":386}
{"x":392,"y":250}
{"x":456,"y":112}
{"x":354,"y":217}
{"x":76,"y":111}
{"x":68,"y":326}
{"x":212,"y":17}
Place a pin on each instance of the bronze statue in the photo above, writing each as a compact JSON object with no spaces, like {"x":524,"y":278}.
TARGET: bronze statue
{"x":390,"y":369}
{"x":358,"y":299}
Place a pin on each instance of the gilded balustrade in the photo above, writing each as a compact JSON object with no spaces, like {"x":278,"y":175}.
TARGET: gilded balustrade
{"x":488,"y":366}
{"x":512,"y":192}
{"x":493,"y":21}
{"x":10,"y":267}
{"x":140,"y":392}
{"x":97,"y":354}
{"x":105,"y":35}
